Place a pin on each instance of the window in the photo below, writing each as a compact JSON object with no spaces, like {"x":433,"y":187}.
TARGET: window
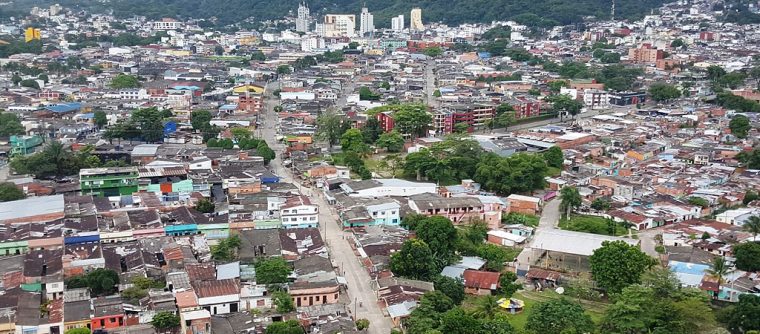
{"x":393,"y":212}
{"x":312,"y":218}
{"x":374,"y":213}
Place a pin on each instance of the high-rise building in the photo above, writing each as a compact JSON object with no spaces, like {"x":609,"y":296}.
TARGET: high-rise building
{"x":415,"y":20}
{"x":338,"y":25}
{"x":303,"y":19}
{"x":367,"y":22}
{"x":397,"y":23}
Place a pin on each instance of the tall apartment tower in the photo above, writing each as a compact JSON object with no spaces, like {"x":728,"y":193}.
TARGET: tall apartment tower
{"x":415,"y":21}
{"x":303,"y":19}
{"x":366,"y":22}
{"x":397,"y":23}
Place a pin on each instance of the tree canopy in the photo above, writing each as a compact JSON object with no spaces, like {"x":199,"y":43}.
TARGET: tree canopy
{"x":10,"y":125}
{"x":414,"y":260}
{"x":272,"y":271}
{"x":9,"y":192}
{"x":617,"y":264}
{"x":559,"y":316}
{"x":121,"y":81}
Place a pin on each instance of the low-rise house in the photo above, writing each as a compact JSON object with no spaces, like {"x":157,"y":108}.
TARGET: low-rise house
{"x":524,"y":204}
{"x":218,"y":296}
{"x":298,"y":212}
{"x":457,"y":209}
{"x":478,"y":282}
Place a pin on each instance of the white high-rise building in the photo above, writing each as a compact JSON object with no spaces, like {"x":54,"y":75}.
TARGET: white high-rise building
{"x":415,"y":20}
{"x":397,"y":23}
{"x":366,"y":22}
{"x":338,"y":25}
{"x":303,"y":19}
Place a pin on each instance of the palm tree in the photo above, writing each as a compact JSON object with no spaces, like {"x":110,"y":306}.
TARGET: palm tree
{"x":720,"y":268}
{"x":487,"y":307}
{"x":571,"y":198}
{"x":752,"y":225}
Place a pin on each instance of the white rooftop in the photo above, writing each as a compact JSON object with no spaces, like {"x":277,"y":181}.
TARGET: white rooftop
{"x":571,"y":242}
{"x":33,"y":206}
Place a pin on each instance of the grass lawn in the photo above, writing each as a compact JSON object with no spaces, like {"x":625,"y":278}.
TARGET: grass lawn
{"x":519,"y":218}
{"x":594,"y":309}
{"x":591,"y":224}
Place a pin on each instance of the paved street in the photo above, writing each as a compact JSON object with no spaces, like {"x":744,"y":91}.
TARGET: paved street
{"x":430,"y":86}
{"x":549,"y":220}
{"x":359,"y":288}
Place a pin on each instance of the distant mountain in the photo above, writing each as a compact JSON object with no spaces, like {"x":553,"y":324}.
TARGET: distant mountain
{"x":533,"y":12}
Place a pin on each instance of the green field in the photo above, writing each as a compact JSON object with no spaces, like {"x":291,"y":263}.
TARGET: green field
{"x":591,"y":224}
{"x":594,"y":309}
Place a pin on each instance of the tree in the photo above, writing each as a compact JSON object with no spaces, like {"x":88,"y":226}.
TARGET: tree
{"x":240,"y":133}
{"x":507,"y":285}
{"x":371,"y":130}
{"x":715,"y":72}
{"x":100,"y":118}
{"x":122,"y":81}
{"x":494,"y":255}
{"x":437,"y":93}
{"x":600,"y":204}
{"x":366,"y":94}
{"x":662,"y":92}
{"x":362,"y":324}
{"x":506,"y":175}
{"x":554,"y":157}
{"x":164,"y":321}
{"x":412,"y":119}
{"x":486,"y":307}
{"x":677,"y":43}
{"x":30,"y":83}
{"x":391,"y":141}
{"x":283,"y":302}
{"x":750,"y":159}
{"x":352,"y":140}
{"x":451,"y":287}
{"x":719,"y":269}
{"x":134,"y":294}
{"x":565,"y":104}
{"x":740,"y":126}
{"x":698,"y":201}
{"x":571,"y":199}
{"x":9,"y":192}
{"x":461,"y":127}
{"x":226,"y":249}
{"x":752,"y":225}
{"x":414,"y":260}
{"x":285,"y":327}
{"x":101,"y":282}
{"x":330,"y":128}
{"x":410,"y":222}
{"x":272,"y":271}
{"x":660,"y":307}
{"x":433,"y":51}
{"x":742,"y":317}
{"x":263,"y":150}
{"x":205,"y":206}
{"x":440,"y":235}
{"x":284,"y":69}
{"x":747,"y":256}
{"x":258,"y":56}
{"x":503,"y":120}
{"x":16,"y":79}
{"x":10,"y":125}
{"x":391,"y":163}
{"x":559,"y":316}
{"x":606,"y":268}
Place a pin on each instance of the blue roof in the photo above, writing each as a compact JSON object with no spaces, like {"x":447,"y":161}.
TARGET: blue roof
{"x":187,"y":87}
{"x":228,"y":107}
{"x":64,"y":107}
{"x":688,"y":268}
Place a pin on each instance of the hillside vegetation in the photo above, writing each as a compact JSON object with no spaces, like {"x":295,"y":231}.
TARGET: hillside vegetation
{"x":539,"y":13}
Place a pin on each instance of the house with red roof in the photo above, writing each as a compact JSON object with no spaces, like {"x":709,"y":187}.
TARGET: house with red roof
{"x":479,"y":282}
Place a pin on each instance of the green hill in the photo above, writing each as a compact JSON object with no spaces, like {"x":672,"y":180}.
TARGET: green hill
{"x":538,"y":12}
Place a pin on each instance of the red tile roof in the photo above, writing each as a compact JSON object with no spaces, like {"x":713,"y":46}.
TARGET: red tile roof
{"x":206,"y":289}
{"x":201,"y":271}
{"x":481,"y":279}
